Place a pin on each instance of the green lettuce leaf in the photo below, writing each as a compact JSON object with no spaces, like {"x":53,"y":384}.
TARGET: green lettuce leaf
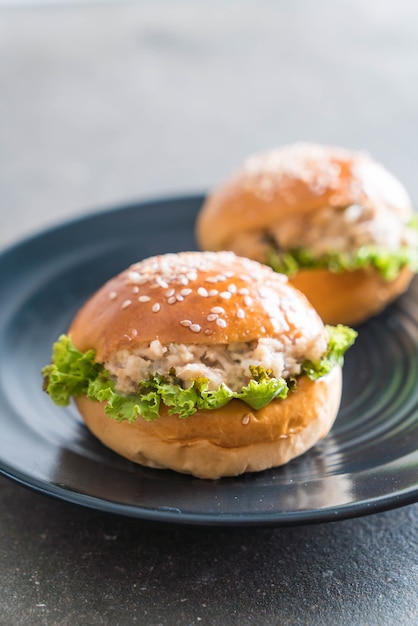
{"x":388,"y":262}
{"x":70,"y":371}
{"x":123,"y":407}
{"x":340,"y":338}
{"x":185,"y":402}
{"x":73,"y":374}
{"x":413,"y":222}
{"x":257,"y":395}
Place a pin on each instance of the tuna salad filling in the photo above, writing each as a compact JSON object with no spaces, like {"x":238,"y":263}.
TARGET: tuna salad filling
{"x":335,"y":237}
{"x":219,"y":364}
{"x":187,"y":378}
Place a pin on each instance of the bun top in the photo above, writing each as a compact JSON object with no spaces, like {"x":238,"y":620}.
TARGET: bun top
{"x":193,"y":298}
{"x":294,"y":179}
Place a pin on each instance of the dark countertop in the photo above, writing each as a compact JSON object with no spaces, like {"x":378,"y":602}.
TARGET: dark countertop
{"x":66,"y":565}
{"x":102,"y":104}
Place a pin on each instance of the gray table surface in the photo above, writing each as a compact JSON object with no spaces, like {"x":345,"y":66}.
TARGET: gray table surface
{"x":102,"y":104}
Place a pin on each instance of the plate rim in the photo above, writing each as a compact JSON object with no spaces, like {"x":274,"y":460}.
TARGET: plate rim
{"x":325,"y":515}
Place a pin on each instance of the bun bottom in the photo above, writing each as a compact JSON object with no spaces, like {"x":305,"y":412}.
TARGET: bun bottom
{"x":350,"y":297}
{"x":228,"y":441}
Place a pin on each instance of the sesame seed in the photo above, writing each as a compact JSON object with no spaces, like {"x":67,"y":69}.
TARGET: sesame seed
{"x":217,"y":309}
{"x":134,"y":277}
{"x":186,"y":322}
{"x":225,"y":295}
{"x":240,"y":314}
{"x":112,"y":295}
{"x":211,"y":279}
{"x":179,"y":297}
{"x":248,"y":300}
{"x":170,"y":293}
{"x":213,"y":292}
{"x":232,"y":288}
{"x":263,"y":292}
{"x":186,"y":292}
{"x":144,"y":299}
{"x":220,"y":322}
{"x":156,"y":307}
{"x":212,"y":317}
{"x":202,"y":292}
{"x":246,"y":419}
{"x":183,"y":280}
{"x":196,"y":328}
{"x":172,"y":300}
{"x":161,"y":282}
{"x":126,"y":304}
{"x":135,"y":289}
{"x":220,"y":277}
{"x":243,"y":292}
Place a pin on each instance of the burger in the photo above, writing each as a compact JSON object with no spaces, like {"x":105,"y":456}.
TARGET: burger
{"x":201,"y":362}
{"x":335,"y":221}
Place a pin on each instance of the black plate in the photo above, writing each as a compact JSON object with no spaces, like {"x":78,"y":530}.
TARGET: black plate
{"x":368,"y":463}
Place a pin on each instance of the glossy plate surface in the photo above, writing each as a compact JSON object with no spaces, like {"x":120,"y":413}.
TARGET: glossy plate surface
{"x":368,"y":463}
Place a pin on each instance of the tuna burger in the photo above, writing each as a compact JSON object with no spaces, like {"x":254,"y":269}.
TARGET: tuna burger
{"x":338,"y":223}
{"x":201,"y":362}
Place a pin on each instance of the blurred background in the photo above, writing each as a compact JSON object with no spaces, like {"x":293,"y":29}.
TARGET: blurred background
{"x":106,"y":103}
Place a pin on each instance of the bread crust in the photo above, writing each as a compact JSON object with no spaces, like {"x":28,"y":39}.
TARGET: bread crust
{"x":295,"y":179}
{"x":250,"y":301}
{"x":228,"y":441}
{"x":350,"y":297}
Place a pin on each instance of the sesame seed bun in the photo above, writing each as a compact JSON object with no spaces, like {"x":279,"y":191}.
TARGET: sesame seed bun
{"x":296,"y":181}
{"x":196,"y":298}
{"x":182,"y":298}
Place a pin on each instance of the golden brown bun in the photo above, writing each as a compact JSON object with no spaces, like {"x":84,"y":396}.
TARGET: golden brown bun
{"x":256,"y":302}
{"x":229,"y":441}
{"x":350,"y":297}
{"x":252,"y":301}
{"x":298,"y":178}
